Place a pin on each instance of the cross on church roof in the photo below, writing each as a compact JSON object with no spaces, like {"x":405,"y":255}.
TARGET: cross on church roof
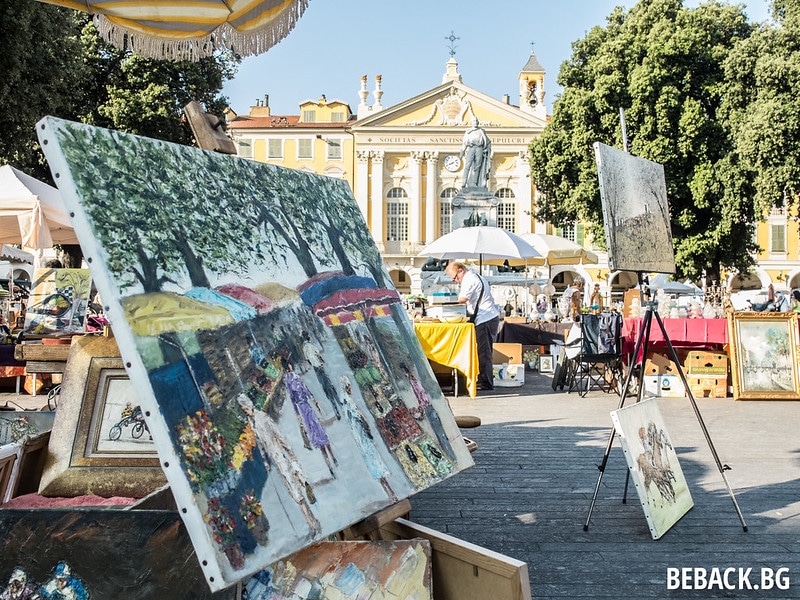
{"x":452,"y":37}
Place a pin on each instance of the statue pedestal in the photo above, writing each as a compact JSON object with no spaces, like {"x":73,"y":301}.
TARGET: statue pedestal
{"x":474,"y":206}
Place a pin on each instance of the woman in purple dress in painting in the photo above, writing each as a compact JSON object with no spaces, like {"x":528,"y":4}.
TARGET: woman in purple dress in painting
{"x":314,"y":435}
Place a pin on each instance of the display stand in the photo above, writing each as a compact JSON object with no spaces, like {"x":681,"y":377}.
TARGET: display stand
{"x":641,"y":344}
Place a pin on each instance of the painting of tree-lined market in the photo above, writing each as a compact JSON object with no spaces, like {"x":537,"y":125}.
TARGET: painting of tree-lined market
{"x":288,"y":396}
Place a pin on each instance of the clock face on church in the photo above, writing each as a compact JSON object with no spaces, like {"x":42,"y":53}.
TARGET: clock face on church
{"x":452,"y":162}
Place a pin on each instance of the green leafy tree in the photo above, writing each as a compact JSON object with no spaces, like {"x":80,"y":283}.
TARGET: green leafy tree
{"x":763,"y":108}
{"x":664,"y":65}
{"x":54,"y":63}
{"x":146,"y":96}
{"x":42,"y":73}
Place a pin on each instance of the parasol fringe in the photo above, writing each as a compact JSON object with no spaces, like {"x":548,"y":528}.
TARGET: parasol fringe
{"x":246,"y":43}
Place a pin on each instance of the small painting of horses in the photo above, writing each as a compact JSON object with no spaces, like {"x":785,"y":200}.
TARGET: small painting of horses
{"x":654,"y":466}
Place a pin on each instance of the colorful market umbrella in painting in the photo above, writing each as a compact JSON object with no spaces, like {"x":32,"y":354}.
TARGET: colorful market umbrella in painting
{"x":192,"y":29}
{"x":166,"y":312}
{"x":258,"y":301}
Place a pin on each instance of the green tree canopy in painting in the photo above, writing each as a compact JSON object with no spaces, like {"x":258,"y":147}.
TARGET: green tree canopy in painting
{"x":164,"y":212}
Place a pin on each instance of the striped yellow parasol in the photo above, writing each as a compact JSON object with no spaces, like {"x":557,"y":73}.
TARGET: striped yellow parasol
{"x":191,"y":29}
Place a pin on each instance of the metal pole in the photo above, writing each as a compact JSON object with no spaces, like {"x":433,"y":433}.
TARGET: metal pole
{"x":624,"y":129}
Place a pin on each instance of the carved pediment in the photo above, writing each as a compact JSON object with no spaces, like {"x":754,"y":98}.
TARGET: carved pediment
{"x":453,"y":109}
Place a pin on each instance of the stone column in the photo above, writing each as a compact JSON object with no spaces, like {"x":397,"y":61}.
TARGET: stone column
{"x":362,"y":183}
{"x":415,"y":202}
{"x":376,"y":194}
{"x":432,"y":198}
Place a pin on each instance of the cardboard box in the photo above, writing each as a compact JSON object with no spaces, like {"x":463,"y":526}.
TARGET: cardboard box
{"x":509,"y":375}
{"x":627,"y":300}
{"x":708,"y":387}
{"x":507,"y":353}
{"x":707,"y":364}
{"x":664,"y":386}
{"x":657,"y":363}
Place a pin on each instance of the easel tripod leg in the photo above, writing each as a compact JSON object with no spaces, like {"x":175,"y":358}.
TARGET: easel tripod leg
{"x":720,"y":467}
{"x":643,"y":336}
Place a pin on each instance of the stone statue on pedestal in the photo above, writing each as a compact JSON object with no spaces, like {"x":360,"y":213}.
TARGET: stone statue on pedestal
{"x":476,"y":151}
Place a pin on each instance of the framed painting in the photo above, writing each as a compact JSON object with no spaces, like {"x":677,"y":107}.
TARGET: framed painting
{"x":100,"y":443}
{"x":276,"y":367}
{"x":58,"y":302}
{"x":764,"y":355}
{"x":546,"y":363}
{"x":653,"y":465}
{"x":100,"y":553}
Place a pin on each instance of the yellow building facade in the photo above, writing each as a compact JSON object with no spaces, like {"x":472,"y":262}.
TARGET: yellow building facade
{"x":403,"y":162}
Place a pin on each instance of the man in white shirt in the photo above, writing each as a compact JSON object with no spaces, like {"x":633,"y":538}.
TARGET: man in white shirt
{"x":487,"y":316}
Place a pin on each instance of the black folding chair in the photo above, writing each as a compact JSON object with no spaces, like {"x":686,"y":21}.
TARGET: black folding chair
{"x":598,"y":365}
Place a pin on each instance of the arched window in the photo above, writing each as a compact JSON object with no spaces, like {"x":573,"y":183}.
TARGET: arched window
{"x":446,"y":210}
{"x":506,"y":210}
{"x":397,"y":215}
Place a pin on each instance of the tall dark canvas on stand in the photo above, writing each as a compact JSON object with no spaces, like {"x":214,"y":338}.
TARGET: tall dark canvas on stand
{"x":636,"y":212}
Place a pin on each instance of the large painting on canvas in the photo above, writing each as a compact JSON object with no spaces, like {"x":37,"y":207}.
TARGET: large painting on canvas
{"x":636,"y":212}
{"x":653,"y":464}
{"x":280,"y":377}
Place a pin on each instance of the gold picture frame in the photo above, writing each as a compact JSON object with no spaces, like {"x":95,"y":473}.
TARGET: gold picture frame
{"x":100,"y":444}
{"x":764,"y":355}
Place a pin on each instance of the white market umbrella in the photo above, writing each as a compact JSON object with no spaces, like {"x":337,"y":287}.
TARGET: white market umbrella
{"x":557,"y":250}
{"x":481,"y":243}
{"x":32,"y":212}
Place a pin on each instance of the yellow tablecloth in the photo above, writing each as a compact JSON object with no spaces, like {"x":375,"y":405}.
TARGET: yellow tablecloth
{"x":452,"y":345}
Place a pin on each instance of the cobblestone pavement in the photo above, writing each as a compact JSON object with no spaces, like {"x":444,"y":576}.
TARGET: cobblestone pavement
{"x":529,"y":493}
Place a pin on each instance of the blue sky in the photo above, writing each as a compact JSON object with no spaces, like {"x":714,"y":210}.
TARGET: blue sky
{"x":336,"y":42}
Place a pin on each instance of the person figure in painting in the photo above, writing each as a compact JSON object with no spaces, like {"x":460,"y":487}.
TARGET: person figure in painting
{"x":313,"y":433}
{"x":63,"y":585}
{"x":477,"y":295}
{"x":19,"y":588}
{"x":314,"y":357}
{"x":476,"y":149}
{"x":364,"y":437}
{"x":424,"y":410}
{"x":278,"y":454}
{"x":256,"y":353}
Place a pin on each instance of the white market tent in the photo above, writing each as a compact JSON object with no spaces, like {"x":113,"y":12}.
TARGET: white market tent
{"x":32,"y":212}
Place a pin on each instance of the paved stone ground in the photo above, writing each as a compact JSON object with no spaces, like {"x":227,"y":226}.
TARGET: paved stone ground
{"x":529,"y":493}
